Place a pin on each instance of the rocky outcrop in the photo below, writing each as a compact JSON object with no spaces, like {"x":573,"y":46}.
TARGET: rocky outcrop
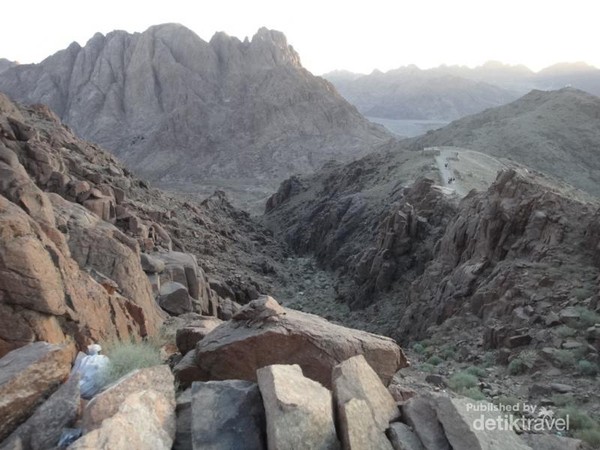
{"x":187,"y":337}
{"x":264,"y":333}
{"x":27,"y":374}
{"x":297,"y":409}
{"x":148,"y":95}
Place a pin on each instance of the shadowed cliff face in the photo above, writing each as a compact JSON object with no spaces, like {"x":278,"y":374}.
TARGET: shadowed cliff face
{"x":187,"y":112}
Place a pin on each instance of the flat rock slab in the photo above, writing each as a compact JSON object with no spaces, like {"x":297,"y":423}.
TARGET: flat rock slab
{"x":355,"y":379}
{"x":264,"y":333}
{"x":107,"y":403}
{"x":460,"y":421}
{"x":227,"y":415}
{"x":144,"y":420}
{"x":28,"y":374}
{"x":299,"y":411}
{"x":359,"y":430}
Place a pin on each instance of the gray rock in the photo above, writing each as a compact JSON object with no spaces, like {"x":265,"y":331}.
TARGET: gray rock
{"x":551,"y":442}
{"x":561,"y":388}
{"x":460,"y":422}
{"x":183,"y":412}
{"x":227,"y":415}
{"x":151,"y":264}
{"x":419,"y":413}
{"x":402,"y":437}
{"x":298,"y":410}
{"x":174,"y":298}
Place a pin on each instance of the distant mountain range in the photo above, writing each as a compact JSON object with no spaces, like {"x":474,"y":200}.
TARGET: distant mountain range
{"x":6,"y":64}
{"x":451,"y":92}
{"x":196,"y":115}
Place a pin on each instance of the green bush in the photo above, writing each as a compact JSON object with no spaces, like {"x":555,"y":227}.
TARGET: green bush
{"x":434,"y":360}
{"x":126,"y":357}
{"x":564,"y":359}
{"x":517,"y":367}
{"x":425,"y":367}
{"x":564,"y":331}
{"x":476,"y":371}
{"x":462,"y":380}
{"x":489,"y":359}
{"x":587,"y":368}
{"x":448,"y":352}
{"x":419,"y":348}
{"x":578,"y":420}
{"x":587,"y":317}
{"x":563,"y":399}
{"x":473,"y":393}
{"x":591,"y":436}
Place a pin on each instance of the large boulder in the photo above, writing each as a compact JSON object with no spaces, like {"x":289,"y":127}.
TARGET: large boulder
{"x":107,"y":403}
{"x":403,"y":437}
{"x":459,"y":418}
{"x":264,"y":333}
{"x":355,"y":379}
{"x":44,"y":428}
{"x":144,"y":419}
{"x":174,"y":298}
{"x":183,"y":268}
{"x":420,"y":414}
{"x":298,"y":410}
{"x":227,"y":415}
{"x":27,"y":375}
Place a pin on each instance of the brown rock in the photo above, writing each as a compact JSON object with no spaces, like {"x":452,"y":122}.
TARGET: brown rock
{"x":358,"y":429}
{"x":264,"y":333}
{"x":143,"y":419}
{"x":355,"y":379}
{"x":187,"y":337}
{"x":27,"y":374}
{"x":298,"y":410}
{"x":43,"y":430}
{"x":107,"y":403}
{"x":186,"y":371}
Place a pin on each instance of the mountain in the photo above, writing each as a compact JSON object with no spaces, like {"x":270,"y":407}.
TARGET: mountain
{"x":6,"y":64}
{"x":190,"y":114}
{"x":556,"y":132}
{"x":412,"y":93}
{"x":447,"y":93}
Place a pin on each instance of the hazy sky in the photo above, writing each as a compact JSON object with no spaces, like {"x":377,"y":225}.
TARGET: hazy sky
{"x":331,"y":34}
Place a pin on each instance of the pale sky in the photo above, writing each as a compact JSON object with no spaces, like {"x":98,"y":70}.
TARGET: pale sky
{"x":329,"y":34}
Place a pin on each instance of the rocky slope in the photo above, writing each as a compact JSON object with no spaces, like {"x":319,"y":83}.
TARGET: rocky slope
{"x":556,"y":132}
{"x":197,"y":115}
{"x":505,"y":278}
{"x":88,"y":250}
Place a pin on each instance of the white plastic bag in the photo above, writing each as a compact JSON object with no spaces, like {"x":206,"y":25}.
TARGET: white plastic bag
{"x":92,"y":371}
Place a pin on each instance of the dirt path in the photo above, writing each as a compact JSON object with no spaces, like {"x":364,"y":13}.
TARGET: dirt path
{"x":445,"y":161}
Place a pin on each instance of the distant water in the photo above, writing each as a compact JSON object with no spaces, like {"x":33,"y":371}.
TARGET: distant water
{"x":409,"y":128}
